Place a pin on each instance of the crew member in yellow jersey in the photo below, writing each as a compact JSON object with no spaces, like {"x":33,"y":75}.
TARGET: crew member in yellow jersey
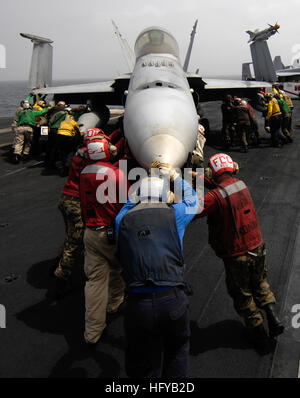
{"x":273,"y":121}
{"x":66,"y":142}
{"x":276,"y":90}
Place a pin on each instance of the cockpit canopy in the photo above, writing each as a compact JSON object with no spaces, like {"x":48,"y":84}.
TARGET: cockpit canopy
{"x":155,"y":40}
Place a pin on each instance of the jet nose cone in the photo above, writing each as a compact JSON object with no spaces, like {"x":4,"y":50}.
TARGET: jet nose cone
{"x":165,"y":148}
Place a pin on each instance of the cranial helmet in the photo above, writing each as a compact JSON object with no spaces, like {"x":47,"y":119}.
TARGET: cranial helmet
{"x":269,"y":96}
{"x":101,"y":149}
{"x":222,"y":163}
{"x":155,"y":190}
{"x":89,"y":134}
{"x":237,"y":101}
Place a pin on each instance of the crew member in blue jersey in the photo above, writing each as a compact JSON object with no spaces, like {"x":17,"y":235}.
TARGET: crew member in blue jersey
{"x":150,"y":229}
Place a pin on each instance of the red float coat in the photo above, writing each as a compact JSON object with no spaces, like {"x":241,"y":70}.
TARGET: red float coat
{"x":79,"y":161}
{"x":222,"y":232}
{"x":102,"y":186}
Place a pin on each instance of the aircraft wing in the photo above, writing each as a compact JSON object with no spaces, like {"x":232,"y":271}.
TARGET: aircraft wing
{"x":217,"y":89}
{"x":288,"y":72}
{"x":109,"y":92}
{"x":112,"y":92}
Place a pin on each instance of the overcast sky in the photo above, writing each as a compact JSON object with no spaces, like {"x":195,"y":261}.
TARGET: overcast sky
{"x":85,"y":46}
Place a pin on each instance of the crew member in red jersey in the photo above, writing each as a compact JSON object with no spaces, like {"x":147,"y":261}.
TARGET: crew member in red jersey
{"x":235,"y":236}
{"x":70,"y":207}
{"x":101,"y":184}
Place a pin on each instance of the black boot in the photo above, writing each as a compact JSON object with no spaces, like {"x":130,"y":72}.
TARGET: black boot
{"x":58,"y":289}
{"x":259,"y":338}
{"x":25,"y":158}
{"x":16,"y":159}
{"x":275,"y":326}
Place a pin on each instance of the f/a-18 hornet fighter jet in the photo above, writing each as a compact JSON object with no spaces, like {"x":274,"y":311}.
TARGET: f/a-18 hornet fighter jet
{"x":160,"y":119}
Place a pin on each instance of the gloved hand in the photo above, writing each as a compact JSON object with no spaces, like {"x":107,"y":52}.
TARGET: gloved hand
{"x":208,"y":173}
{"x":236,"y":168}
{"x":112,"y":150}
{"x":268,"y":129}
{"x":267,"y":126}
{"x":165,"y":169}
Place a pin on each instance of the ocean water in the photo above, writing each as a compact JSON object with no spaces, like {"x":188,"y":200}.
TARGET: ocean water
{"x":11,"y":93}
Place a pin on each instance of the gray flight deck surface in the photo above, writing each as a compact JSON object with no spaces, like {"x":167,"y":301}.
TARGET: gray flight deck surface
{"x":44,"y":339}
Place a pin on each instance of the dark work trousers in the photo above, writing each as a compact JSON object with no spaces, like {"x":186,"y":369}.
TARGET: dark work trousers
{"x":35,"y":146}
{"x":50,"y":157}
{"x":243,"y":129}
{"x":290,"y":122}
{"x":275,"y":130}
{"x":64,"y":149}
{"x":158,"y":333}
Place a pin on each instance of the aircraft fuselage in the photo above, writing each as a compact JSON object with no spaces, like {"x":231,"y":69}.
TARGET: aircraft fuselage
{"x":160,"y":120}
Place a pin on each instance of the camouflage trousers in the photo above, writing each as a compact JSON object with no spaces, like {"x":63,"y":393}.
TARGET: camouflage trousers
{"x":246,"y":280}
{"x":243,"y":130}
{"x":228,"y":132}
{"x":71,"y":210}
{"x":197,"y":160}
{"x":22,"y":139}
{"x":286,"y":124}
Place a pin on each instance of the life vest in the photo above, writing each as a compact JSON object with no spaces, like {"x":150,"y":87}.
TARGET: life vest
{"x":273,"y":109}
{"x":149,"y":246}
{"x":57,"y":118}
{"x":67,"y":128}
{"x":288,"y":100}
{"x":234,"y":234}
{"x":99,"y":188}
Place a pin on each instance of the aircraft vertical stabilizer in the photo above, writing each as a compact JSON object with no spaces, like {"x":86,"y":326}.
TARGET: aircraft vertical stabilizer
{"x":189,"y":51}
{"x":246,"y":71}
{"x":40,"y":74}
{"x":278,"y":65}
{"x":262,"y":62}
{"x":127,"y":52}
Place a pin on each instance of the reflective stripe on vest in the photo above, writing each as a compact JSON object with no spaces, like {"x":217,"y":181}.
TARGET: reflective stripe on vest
{"x":94,"y":169}
{"x":233,"y":188}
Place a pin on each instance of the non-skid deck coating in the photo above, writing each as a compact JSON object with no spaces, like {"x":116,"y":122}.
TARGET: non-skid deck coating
{"x":43,"y":340}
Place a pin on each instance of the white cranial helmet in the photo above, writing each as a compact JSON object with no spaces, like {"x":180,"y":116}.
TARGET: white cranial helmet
{"x":155,"y":190}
